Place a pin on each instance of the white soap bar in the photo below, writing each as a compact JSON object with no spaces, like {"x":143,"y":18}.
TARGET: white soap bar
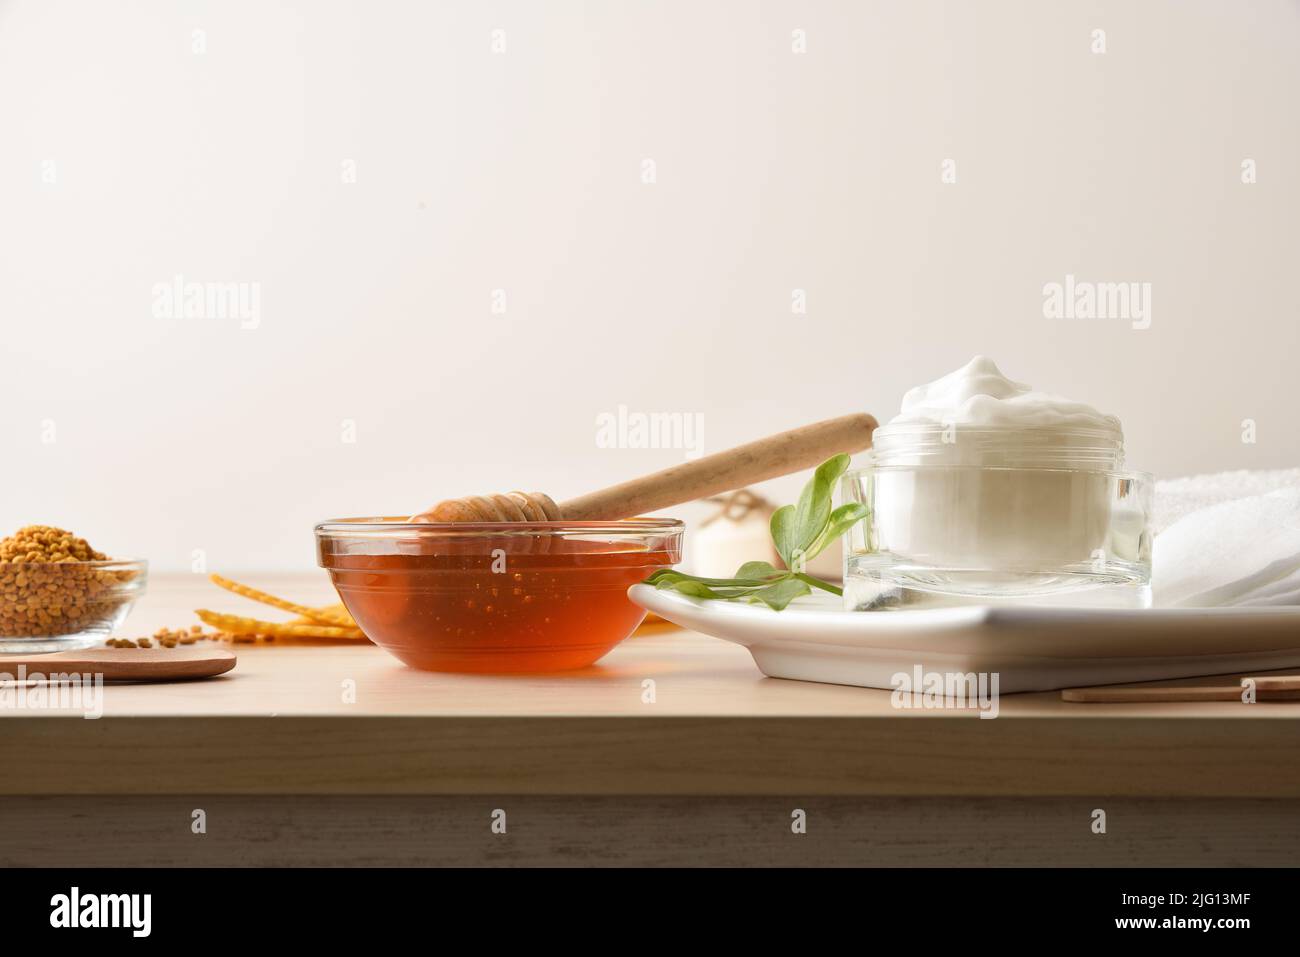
{"x":723,"y":545}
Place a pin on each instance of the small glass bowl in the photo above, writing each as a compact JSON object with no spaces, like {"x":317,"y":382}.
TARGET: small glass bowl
{"x":495,"y":597}
{"x":63,"y":606}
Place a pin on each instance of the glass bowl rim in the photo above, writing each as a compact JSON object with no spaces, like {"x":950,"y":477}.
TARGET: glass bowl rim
{"x":141,"y":564}
{"x":1146,"y":478}
{"x":372,"y":525}
{"x":1019,"y":431}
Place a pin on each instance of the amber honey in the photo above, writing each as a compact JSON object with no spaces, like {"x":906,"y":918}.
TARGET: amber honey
{"x":469,"y":600}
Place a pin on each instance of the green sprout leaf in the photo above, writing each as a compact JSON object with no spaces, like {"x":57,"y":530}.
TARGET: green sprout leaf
{"x":840,"y":521}
{"x":799,"y":532}
{"x":814,"y":507}
{"x":785,"y":535}
{"x":757,"y":570}
{"x":779,"y":594}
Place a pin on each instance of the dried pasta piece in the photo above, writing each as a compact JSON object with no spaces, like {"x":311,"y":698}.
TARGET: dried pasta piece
{"x":321,"y":615}
{"x":238,"y":625}
{"x":339,"y":611}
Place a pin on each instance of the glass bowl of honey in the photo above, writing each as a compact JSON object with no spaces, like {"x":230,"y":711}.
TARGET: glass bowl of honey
{"x":495,"y":597}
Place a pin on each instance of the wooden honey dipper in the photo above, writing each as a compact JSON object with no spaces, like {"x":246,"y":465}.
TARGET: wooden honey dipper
{"x":767,"y":458}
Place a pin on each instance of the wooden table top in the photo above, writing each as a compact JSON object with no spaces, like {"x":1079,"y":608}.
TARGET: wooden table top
{"x":281,"y":722}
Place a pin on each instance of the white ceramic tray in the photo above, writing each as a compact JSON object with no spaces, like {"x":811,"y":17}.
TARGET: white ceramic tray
{"x":1031,"y":649}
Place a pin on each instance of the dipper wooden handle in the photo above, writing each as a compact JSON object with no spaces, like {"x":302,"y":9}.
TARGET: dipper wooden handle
{"x":767,"y":458}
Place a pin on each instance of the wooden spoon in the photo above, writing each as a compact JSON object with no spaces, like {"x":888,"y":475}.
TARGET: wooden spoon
{"x":123,"y":664}
{"x":1267,"y":689}
{"x":767,"y":458}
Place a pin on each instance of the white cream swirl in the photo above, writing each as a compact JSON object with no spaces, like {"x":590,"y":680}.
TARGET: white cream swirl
{"x":979,"y":396}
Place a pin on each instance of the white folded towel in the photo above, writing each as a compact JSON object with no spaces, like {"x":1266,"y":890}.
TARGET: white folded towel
{"x":1175,"y":498}
{"x":1228,"y":539}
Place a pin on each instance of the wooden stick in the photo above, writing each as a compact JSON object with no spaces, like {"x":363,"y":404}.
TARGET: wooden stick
{"x":767,"y":458}
{"x":1275,"y":682}
{"x":1118,"y":695}
{"x":1111,"y":695}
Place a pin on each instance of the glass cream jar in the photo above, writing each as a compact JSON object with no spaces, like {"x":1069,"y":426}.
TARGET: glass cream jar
{"x":963,"y":515}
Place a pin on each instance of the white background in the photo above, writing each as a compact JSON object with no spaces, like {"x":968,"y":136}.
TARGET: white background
{"x":523,"y":171}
